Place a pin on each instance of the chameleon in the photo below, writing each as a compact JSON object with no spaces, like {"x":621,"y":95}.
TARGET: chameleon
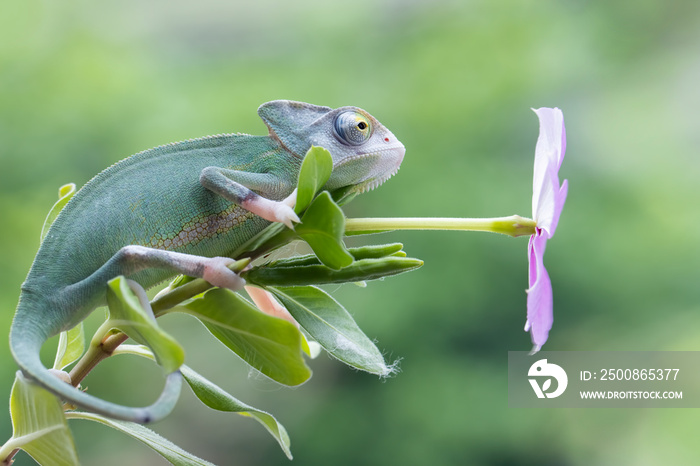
{"x":183,"y":208}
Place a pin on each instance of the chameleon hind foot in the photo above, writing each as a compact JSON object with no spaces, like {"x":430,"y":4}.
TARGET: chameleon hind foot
{"x":217,"y":273}
{"x":132,"y":259}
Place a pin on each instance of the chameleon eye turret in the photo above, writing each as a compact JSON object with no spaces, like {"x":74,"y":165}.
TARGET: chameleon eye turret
{"x":352,"y":128}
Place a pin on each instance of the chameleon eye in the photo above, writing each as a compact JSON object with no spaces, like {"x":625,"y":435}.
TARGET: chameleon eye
{"x":352,"y":128}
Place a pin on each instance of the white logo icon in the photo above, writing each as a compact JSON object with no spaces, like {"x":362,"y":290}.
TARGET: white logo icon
{"x":542,"y":368}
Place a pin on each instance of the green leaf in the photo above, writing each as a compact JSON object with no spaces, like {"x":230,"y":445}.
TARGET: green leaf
{"x":128,"y":314}
{"x":216,"y":398}
{"x":65,"y":192}
{"x":315,"y":171}
{"x":374,"y":251}
{"x":370,"y":263}
{"x":162,"y":446}
{"x":323,"y":227}
{"x":71,"y":345}
{"x":332,"y":326}
{"x":359,"y":270}
{"x":39,"y":426}
{"x":269,"y":344}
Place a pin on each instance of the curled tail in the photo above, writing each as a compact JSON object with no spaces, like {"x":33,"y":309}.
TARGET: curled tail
{"x":28,"y":334}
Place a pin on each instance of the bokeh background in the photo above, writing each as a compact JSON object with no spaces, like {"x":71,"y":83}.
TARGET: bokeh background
{"x":84,"y":84}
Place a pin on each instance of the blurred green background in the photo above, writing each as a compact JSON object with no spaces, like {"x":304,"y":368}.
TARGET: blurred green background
{"x":84,"y":84}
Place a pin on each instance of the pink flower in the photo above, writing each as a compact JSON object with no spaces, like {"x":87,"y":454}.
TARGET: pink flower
{"x":547,"y":203}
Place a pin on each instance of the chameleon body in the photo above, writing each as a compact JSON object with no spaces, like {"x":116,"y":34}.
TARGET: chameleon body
{"x":183,"y":208}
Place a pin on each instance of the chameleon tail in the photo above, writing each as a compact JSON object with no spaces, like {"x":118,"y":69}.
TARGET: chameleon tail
{"x":28,"y":334}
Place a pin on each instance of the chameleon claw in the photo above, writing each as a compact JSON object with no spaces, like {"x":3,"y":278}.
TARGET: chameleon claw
{"x":284,"y":213}
{"x":286,"y":210}
{"x":291,"y":200}
{"x":292,"y":217}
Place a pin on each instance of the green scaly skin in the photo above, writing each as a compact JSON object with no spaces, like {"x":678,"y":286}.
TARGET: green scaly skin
{"x":183,"y":208}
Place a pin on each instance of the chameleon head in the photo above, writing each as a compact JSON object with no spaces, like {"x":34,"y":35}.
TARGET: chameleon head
{"x":365,"y":153}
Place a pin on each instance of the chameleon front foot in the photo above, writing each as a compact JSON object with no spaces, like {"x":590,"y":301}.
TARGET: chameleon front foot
{"x":274,"y":211}
{"x":285,"y":211}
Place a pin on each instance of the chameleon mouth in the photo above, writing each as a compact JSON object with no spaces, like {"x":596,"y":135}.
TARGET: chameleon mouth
{"x":376,"y":182}
{"x":379,"y":166}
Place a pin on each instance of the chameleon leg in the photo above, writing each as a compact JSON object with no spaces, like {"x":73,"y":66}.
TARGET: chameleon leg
{"x":237,"y":186}
{"x":132,"y":259}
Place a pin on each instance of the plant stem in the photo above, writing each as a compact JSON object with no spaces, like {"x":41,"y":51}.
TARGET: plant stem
{"x":95,"y":354}
{"x":514,"y":225}
{"x":10,"y":458}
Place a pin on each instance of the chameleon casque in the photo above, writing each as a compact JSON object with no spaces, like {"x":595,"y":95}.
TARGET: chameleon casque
{"x":182,"y":208}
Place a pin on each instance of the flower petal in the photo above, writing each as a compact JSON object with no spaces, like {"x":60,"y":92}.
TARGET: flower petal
{"x":558,"y":207}
{"x":551,"y":143}
{"x":539,"y":296}
{"x":547,"y":196}
{"x":544,"y":200}
{"x":550,"y":203}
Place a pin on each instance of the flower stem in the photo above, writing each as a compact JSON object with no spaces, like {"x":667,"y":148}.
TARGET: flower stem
{"x":514,"y":225}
